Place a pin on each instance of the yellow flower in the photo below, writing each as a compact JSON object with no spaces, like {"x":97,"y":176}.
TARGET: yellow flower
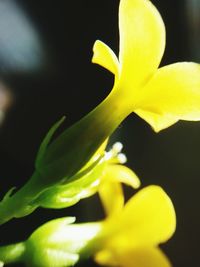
{"x":160,"y":96}
{"x":128,"y":238}
{"x":131,"y":237}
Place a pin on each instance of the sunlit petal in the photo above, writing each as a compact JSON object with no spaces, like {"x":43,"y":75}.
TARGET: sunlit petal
{"x":172,"y":94}
{"x":111,"y":195}
{"x":107,"y":258}
{"x":145,"y":257}
{"x":120,"y":173}
{"x":110,"y":190}
{"x":156,"y":120}
{"x":105,"y":57}
{"x":142,"y":41}
{"x":138,"y":257}
{"x":147,"y":219}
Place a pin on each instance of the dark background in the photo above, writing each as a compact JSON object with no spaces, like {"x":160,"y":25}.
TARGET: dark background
{"x":45,"y":53}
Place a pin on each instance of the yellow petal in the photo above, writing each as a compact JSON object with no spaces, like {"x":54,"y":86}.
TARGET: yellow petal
{"x":172,"y":94}
{"x":138,"y":257}
{"x":112,"y":197}
{"x":147,"y":219}
{"x":107,"y":258}
{"x":105,"y":57}
{"x":110,"y":190}
{"x":144,"y":257}
{"x":122,"y":174}
{"x":157,"y":121}
{"x":142,"y":41}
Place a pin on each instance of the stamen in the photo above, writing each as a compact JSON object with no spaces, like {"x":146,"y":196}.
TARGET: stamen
{"x":122,"y":158}
{"x":114,"y":155}
{"x":117,"y":147}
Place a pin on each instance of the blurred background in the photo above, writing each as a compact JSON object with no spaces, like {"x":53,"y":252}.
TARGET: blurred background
{"x":45,"y":73}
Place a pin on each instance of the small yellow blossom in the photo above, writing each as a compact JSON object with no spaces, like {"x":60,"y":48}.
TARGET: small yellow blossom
{"x":131,"y":237}
{"x":127,"y":238}
{"x":160,"y":96}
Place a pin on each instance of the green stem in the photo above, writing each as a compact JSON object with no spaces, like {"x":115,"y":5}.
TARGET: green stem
{"x":12,"y":253}
{"x":19,"y":204}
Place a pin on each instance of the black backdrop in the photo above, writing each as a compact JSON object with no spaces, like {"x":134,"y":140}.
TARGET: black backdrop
{"x":64,"y":82}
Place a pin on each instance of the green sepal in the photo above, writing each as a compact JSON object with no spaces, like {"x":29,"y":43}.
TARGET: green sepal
{"x":66,"y":195}
{"x":46,"y":141}
{"x":9,"y":193}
